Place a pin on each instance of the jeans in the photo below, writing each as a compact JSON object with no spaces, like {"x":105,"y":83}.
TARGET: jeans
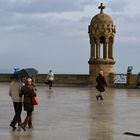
{"x":17,"y":116}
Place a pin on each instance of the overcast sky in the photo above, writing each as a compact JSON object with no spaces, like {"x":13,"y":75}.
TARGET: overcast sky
{"x":53,"y":34}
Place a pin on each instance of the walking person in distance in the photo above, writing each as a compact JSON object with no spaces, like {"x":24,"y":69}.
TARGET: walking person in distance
{"x":101,"y":83}
{"x":50,"y":78}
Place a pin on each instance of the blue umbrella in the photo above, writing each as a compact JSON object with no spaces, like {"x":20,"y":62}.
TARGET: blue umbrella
{"x":27,"y":72}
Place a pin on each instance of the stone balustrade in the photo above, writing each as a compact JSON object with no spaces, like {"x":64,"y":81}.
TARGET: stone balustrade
{"x":78,"y":79}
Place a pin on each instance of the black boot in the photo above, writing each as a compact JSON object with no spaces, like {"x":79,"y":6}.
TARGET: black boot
{"x":101,"y":97}
{"x":23,"y":127}
{"x":98,"y":97}
{"x":13,"y":127}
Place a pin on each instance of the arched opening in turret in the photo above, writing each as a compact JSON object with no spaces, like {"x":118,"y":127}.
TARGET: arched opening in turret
{"x":110,"y":51}
{"x":102,"y":42}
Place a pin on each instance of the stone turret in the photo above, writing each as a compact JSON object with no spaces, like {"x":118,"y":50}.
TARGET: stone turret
{"x":101,"y":33}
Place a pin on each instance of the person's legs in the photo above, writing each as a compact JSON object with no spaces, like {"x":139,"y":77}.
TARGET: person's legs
{"x":19,"y":110}
{"x":15,"y":119}
{"x":30,"y":123}
{"x":50,"y":84}
{"x":99,"y":96}
{"x":27,"y":119}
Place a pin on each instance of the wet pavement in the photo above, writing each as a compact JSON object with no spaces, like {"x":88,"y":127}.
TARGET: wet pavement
{"x":72,"y":113}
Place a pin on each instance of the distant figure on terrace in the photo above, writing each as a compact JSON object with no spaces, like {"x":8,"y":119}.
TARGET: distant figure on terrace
{"x":50,"y":78}
{"x":101,"y":84}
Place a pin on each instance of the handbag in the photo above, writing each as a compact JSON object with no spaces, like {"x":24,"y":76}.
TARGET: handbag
{"x":35,"y":100}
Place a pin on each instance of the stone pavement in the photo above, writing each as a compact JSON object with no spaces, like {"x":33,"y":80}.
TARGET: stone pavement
{"x":72,"y":113}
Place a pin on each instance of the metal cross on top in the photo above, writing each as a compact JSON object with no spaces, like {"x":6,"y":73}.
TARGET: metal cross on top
{"x":101,"y":7}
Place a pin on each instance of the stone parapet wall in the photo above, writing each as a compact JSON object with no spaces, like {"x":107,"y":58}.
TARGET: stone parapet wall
{"x":77,"y":79}
{"x":64,"y":78}
{"x":5,"y":77}
{"x":59,"y":78}
{"x":133,"y":79}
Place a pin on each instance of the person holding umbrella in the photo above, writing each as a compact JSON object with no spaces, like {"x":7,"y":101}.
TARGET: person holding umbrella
{"x":28,"y":92}
{"x":14,"y":90}
{"x":101,"y":83}
{"x":26,"y":73}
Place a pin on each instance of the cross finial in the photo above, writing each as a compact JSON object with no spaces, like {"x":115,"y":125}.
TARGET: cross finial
{"x":101,"y":7}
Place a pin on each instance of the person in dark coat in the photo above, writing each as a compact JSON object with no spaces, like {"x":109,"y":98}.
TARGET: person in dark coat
{"x":101,"y":83}
{"x":28,"y":92}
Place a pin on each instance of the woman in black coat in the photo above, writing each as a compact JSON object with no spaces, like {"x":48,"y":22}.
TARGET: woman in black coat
{"x":101,"y":83}
{"x":28,"y":91}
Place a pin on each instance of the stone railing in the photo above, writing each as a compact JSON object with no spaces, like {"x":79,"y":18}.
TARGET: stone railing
{"x":116,"y":80}
{"x":59,"y":78}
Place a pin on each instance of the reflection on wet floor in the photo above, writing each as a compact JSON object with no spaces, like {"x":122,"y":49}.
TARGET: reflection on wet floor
{"x":72,"y":113}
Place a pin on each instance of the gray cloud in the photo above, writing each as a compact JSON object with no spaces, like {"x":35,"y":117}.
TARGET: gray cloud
{"x":54,"y":33}
{"x":41,"y":6}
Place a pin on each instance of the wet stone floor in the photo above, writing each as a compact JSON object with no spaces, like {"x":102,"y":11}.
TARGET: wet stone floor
{"x":72,"y":113}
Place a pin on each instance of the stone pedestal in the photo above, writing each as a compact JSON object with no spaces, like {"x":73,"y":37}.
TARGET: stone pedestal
{"x":95,"y":66}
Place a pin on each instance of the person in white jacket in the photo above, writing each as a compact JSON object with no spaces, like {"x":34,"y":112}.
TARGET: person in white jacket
{"x":50,"y":78}
{"x":14,"y":90}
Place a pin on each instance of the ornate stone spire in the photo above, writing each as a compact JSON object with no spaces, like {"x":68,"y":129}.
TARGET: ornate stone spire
{"x":101,"y":33}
